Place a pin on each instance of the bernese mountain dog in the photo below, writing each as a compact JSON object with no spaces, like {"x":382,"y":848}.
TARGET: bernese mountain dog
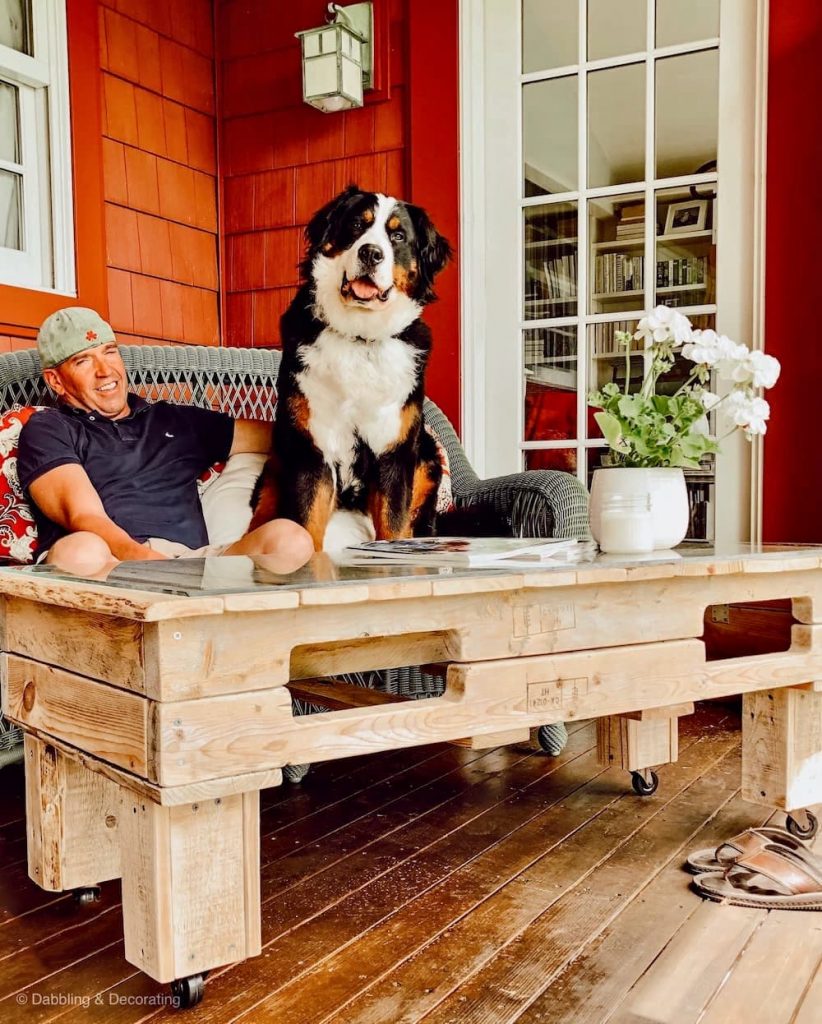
{"x":349,"y":432}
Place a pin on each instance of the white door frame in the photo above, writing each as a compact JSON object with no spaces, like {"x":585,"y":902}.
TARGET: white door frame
{"x":490,"y":279}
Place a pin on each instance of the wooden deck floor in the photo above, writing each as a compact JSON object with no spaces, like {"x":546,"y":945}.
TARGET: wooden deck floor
{"x":445,"y":885}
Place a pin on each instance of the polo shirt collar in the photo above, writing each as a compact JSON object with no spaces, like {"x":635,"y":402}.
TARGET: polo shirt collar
{"x":136,"y":406}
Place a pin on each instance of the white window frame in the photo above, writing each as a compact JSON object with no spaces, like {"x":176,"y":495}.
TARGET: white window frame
{"x":492,"y":246}
{"x":47,"y":261}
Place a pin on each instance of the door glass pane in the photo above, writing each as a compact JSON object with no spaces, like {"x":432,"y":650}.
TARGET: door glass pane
{"x":686,"y":246}
{"x":616,"y":228}
{"x":550,"y":34}
{"x":615,"y":28}
{"x":15,"y":25}
{"x":550,"y":278}
{"x":11,"y":192}
{"x":616,"y":125}
{"x":564,"y":459}
{"x":549,"y":133}
{"x":684,"y":21}
{"x":9,"y":124}
{"x":550,"y":360}
{"x":687,"y":112}
{"x":609,"y":362}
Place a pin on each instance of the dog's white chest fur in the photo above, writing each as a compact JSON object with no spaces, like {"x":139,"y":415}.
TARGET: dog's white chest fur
{"x":355,"y":389}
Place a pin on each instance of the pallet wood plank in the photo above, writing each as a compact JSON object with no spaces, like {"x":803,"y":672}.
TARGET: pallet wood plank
{"x":102,"y":646}
{"x":72,"y":818}
{"x":107,"y":722}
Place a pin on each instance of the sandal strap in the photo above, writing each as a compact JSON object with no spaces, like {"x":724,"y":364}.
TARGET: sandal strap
{"x":750,"y":842}
{"x":782,"y":866}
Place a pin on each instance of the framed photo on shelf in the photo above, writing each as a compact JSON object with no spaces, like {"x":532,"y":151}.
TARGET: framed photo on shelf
{"x":689,"y":215}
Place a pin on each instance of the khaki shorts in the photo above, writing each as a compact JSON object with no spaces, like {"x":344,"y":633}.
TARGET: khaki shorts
{"x":171,"y":549}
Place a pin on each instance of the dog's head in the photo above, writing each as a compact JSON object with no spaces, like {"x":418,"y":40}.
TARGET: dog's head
{"x":372,"y":260}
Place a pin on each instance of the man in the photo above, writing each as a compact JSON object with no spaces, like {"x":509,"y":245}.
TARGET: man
{"x":112,"y":477}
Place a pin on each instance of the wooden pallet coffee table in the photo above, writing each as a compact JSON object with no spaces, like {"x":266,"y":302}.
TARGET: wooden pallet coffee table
{"x":155,"y":703}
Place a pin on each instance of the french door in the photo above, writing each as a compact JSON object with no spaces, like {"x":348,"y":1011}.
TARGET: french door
{"x":610,"y":155}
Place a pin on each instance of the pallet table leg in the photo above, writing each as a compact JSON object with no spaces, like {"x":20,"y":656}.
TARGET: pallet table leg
{"x":191,"y":884}
{"x":782,"y":747}
{"x":637,"y":740}
{"x":72,"y":821}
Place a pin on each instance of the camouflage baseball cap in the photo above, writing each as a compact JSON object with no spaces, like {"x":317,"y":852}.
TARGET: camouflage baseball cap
{"x":69,"y":331}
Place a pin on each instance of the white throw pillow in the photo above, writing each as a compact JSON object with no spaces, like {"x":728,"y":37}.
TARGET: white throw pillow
{"x":226,"y":500}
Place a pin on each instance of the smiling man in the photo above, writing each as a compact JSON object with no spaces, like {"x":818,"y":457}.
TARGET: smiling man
{"x":112,"y":477}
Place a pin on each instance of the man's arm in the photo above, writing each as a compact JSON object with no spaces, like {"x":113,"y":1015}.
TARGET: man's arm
{"x":251,"y":436}
{"x":67,"y":496}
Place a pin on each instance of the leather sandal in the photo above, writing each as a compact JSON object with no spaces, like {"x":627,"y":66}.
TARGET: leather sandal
{"x":771,"y":878}
{"x":717,"y":858}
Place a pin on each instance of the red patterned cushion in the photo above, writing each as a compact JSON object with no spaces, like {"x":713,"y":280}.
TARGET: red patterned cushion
{"x":18,"y":534}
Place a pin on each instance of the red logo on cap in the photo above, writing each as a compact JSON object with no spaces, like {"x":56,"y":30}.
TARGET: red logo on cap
{"x":91,"y":336}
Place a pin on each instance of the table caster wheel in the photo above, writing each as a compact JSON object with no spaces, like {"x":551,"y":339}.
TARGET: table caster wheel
{"x":807,"y":831}
{"x":188,"y":991}
{"x":87,"y":895}
{"x":645,"y":783}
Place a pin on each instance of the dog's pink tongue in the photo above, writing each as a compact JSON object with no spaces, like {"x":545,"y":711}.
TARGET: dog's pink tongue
{"x":364,"y":289}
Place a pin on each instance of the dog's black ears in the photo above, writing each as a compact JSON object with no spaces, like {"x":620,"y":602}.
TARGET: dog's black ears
{"x":434,"y":250}
{"x":319,"y":227}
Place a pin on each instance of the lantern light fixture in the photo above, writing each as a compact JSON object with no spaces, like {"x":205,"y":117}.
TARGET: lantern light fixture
{"x":338,"y":58}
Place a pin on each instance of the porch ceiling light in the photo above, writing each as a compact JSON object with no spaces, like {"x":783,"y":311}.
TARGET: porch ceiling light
{"x":338,"y":58}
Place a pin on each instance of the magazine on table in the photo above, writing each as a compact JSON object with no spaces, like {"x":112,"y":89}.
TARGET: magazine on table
{"x":468,"y":552}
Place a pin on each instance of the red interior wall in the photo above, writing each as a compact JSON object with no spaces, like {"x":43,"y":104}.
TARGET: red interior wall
{"x":281,"y":160}
{"x":793,"y":454}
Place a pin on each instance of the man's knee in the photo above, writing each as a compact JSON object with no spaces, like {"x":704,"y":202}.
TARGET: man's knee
{"x":283,"y":535}
{"x":80,"y":550}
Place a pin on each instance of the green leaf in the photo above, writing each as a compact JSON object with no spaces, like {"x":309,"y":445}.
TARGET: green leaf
{"x":612,"y":430}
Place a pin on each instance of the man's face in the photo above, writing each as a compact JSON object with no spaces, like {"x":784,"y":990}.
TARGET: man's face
{"x":94,"y":380}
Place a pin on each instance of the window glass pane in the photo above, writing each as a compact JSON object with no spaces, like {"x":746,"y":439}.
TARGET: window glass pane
{"x":11,"y":191}
{"x":686,"y":246}
{"x":550,"y":278}
{"x":616,"y":228}
{"x":15,"y":25}
{"x":551,"y":458}
{"x":616,"y":125}
{"x":684,"y":21}
{"x":615,"y":28}
{"x":549,"y":132}
{"x":9,"y":124}
{"x":687,"y":112}
{"x":550,"y":34}
{"x":550,"y":360}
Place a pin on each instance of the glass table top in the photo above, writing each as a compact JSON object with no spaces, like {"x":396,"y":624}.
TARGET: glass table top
{"x":190,"y":577}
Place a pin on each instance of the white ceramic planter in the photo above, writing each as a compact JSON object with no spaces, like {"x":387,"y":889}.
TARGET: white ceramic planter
{"x":669,"y":499}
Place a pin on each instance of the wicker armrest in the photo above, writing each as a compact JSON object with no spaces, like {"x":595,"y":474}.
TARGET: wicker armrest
{"x":539,"y":502}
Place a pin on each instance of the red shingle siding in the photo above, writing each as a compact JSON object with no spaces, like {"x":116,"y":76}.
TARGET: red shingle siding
{"x":160,"y":169}
{"x":282,"y":160}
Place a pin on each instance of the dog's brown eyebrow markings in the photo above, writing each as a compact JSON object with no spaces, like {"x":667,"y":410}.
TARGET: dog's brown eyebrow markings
{"x":393,"y":224}
{"x":368,"y":216}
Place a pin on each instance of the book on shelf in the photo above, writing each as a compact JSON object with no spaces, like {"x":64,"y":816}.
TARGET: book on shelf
{"x":561,"y":277}
{"x":688,"y":270}
{"x":465,"y":552}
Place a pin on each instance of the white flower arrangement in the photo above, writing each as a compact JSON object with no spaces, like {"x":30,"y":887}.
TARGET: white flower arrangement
{"x":647,"y":429}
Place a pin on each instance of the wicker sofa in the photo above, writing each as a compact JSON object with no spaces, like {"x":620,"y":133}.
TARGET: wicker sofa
{"x":242,"y":382}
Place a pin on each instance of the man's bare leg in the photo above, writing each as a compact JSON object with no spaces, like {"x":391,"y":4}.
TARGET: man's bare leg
{"x":83,"y":554}
{"x":285,"y":543}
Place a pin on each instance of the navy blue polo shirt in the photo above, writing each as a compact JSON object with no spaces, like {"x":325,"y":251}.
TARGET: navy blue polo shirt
{"x":144,"y":466}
